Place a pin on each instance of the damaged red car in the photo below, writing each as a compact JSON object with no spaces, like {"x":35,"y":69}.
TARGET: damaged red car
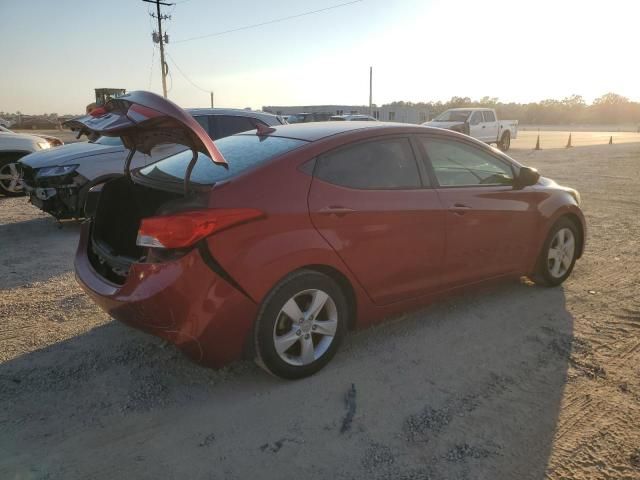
{"x":274,"y":243}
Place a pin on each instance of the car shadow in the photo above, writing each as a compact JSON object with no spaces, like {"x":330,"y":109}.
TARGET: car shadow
{"x":25,"y":250}
{"x":470,"y":387}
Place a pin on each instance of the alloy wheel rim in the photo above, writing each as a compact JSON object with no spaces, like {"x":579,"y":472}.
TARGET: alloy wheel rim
{"x":305,"y":327}
{"x":10,"y":180}
{"x":561,"y":252}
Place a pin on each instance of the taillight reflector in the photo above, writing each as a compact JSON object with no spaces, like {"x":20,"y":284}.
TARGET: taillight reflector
{"x":183,"y":229}
{"x":140,"y":113}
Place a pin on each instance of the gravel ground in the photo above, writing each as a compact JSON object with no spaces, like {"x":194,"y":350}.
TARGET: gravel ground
{"x":558,"y":139}
{"x":510,"y":382}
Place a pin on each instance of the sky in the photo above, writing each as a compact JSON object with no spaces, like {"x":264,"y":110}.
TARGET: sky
{"x":54,"y":53}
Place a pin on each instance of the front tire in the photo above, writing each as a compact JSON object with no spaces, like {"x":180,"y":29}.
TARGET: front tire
{"x":300,"y":325}
{"x":559,"y":254}
{"x":505,"y":141}
{"x":10,"y":178}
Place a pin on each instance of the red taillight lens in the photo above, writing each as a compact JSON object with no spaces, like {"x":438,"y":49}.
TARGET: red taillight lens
{"x":183,"y":229}
{"x":140,"y":113}
{"x":96,"y":112}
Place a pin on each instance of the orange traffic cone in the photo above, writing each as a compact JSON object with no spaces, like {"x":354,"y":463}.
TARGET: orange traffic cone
{"x":569,"y":142}
{"x":611,"y":140}
{"x":538,"y":143}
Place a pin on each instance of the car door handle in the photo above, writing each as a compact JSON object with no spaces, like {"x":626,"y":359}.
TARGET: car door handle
{"x":460,"y":208}
{"x":335,"y":210}
{"x":484,"y":126}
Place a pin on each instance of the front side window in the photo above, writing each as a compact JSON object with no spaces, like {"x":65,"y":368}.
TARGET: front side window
{"x":457,"y":164}
{"x":381,"y":164}
{"x":476,"y":118}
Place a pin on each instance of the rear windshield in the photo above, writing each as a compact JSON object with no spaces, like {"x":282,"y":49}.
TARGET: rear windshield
{"x":240,"y":151}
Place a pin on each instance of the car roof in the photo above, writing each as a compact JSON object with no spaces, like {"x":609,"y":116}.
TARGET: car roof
{"x":238,"y":112}
{"x":313,"y":131}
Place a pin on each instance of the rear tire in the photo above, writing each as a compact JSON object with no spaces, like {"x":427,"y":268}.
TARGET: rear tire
{"x":505,"y":141}
{"x":559,"y":254}
{"x":300,"y":325}
{"x":10,"y":178}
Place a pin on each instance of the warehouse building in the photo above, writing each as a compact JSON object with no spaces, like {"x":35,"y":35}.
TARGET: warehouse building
{"x":385,"y":113}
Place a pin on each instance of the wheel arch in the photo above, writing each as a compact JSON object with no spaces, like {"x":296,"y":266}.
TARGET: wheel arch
{"x":344,"y":284}
{"x":9,"y":153}
{"x":578,"y":224}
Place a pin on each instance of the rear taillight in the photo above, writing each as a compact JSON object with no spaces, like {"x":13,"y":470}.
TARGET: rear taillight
{"x":140,"y":113}
{"x":181,"y":230}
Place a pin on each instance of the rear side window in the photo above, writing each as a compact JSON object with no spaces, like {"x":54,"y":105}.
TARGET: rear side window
{"x":381,"y":164}
{"x":457,"y":164}
{"x":242,"y":152}
{"x":204,"y":123}
{"x":227,"y":125}
{"x":489,"y":116}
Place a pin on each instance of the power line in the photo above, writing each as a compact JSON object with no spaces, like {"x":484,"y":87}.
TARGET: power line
{"x":282,"y":19}
{"x":185,"y":76}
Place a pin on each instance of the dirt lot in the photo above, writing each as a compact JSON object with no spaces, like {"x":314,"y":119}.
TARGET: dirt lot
{"x":514,"y":382}
{"x":558,"y":138}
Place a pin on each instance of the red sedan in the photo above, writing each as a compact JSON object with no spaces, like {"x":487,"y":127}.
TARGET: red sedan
{"x":275,"y":242}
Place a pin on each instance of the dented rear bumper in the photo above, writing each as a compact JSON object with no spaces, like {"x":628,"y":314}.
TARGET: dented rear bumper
{"x":183,"y":301}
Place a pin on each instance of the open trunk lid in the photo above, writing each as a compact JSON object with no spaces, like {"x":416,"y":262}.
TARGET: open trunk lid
{"x":143,"y":120}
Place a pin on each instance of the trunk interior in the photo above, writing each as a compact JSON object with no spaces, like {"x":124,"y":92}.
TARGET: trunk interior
{"x":120,"y":207}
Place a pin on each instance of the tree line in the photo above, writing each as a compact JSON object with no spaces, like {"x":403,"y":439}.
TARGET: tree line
{"x":609,"y":108}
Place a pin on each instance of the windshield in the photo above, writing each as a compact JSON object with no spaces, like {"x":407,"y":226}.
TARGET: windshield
{"x":240,"y":151}
{"x":295,"y":118}
{"x":453,"y":116}
{"x":109,"y":141}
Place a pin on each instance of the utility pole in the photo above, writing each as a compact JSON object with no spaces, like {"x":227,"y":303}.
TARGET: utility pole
{"x":371,"y":91}
{"x":211,"y":99}
{"x":158,"y":37}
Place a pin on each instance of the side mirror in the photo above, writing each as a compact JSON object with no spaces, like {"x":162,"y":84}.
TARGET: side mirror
{"x":526,"y":177}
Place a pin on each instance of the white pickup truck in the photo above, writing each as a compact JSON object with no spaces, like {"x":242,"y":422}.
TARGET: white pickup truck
{"x":480,"y":123}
